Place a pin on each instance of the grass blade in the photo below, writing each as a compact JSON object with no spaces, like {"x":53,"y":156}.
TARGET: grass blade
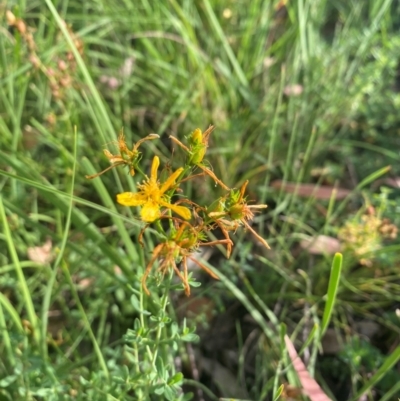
{"x":257,"y":316}
{"x":103,"y":115}
{"x":26,"y":296}
{"x":332,"y":291}
{"x":390,"y":361}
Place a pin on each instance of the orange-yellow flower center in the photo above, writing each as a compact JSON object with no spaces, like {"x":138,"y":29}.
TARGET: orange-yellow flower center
{"x":151,"y":190}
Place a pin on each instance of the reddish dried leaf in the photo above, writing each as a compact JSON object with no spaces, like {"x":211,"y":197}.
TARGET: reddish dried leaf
{"x":310,"y":387}
{"x":268,"y":62}
{"x":117,"y":270}
{"x":293,"y":90}
{"x":127,"y":67}
{"x":391,"y":182}
{"x":308,"y":190}
{"x":322,"y":244}
{"x":85,"y":283}
{"x":41,"y":254}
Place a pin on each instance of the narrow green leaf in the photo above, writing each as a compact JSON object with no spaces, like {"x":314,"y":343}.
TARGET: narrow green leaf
{"x":332,"y":291}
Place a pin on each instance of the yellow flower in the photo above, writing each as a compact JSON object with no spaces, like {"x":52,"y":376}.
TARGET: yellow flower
{"x":151,"y":196}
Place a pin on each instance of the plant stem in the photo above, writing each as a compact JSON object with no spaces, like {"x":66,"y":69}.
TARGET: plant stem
{"x":164,"y":303}
{"x":142,"y":322}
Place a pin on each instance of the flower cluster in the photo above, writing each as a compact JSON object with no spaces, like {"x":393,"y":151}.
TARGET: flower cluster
{"x":364,"y":234}
{"x":188,"y":222}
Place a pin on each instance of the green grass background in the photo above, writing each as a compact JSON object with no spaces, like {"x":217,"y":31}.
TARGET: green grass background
{"x":168,"y":67}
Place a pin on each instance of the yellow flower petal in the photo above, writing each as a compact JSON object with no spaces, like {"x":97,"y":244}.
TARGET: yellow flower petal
{"x":150,"y":212}
{"x":131,"y":199}
{"x":181,"y":210}
{"x":154,"y":168}
{"x":171,"y":180}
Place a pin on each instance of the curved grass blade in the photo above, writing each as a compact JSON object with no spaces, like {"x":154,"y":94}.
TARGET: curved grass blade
{"x":60,"y":254}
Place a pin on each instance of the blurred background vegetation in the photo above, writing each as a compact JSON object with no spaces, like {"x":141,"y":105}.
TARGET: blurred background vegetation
{"x":304,"y":96}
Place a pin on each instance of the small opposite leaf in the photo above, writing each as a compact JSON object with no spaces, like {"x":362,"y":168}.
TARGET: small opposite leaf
{"x":175,"y":379}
